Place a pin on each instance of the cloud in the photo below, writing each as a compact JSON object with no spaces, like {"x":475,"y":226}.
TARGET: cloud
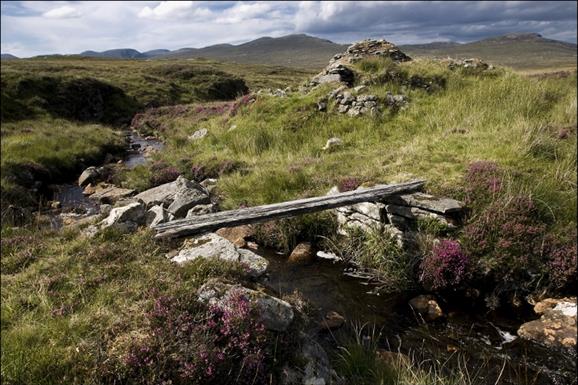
{"x":65,"y":12}
{"x":43,"y":27}
{"x":168,"y":10}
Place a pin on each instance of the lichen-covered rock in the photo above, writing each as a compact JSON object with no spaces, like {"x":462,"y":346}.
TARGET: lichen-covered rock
{"x":125,"y":218}
{"x":90,"y":175}
{"x":199,"y":134}
{"x":212,"y":245}
{"x":165,"y":194}
{"x":557,"y":325}
{"x":110,"y":194}
{"x":332,"y":143}
{"x":187,"y":198}
{"x":274,"y":313}
{"x":200,"y":210}
{"x":428,"y":202}
{"x":156,"y":215}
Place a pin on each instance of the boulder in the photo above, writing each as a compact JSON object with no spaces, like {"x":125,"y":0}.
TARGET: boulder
{"x":427,"y":307}
{"x":156,"y":215}
{"x":303,"y":253}
{"x":238,"y":235}
{"x":274,"y":313}
{"x":165,"y":194}
{"x":111,"y":194}
{"x":212,"y":246}
{"x":89,"y":175}
{"x":428,"y":202}
{"x":186,"y":199}
{"x":557,"y":325}
{"x":125,"y":218}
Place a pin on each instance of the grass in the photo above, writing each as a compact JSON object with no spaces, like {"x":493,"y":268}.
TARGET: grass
{"x":67,"y":302}
{"x":506,"y":118}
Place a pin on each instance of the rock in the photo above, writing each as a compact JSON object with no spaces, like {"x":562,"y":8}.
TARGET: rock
{"x":428,"y":202}
{"x":342,"y":108}
{"x":199,"y":134}
{"x":209,"y":183}
{"x":317,"y":370}
{"x":322,"y":106}
{"x":303,"y":253}
{"x":105,"y":210}
{"x":328,"y":256}
{"x":111,"y":194}
{"x":200,"y":210}
{"x":165,"y":194}
{"x":156,"y":215}
{"x":332,"y":320}
{"x":359,"y":88}
{"x":557,"y":325}
{"x":238,"y":235}
{"x":89,"y":175}
{"x":185,"y":199}
{"x":332,"y":143}
{"x":274,"y":313}
{"x":415,"y":213}
{"x":55,"y":205}
{"x":427,"y":307}
{"x":212,"y":246}
{"x":89,"y":189}
{"x":125,"y":218}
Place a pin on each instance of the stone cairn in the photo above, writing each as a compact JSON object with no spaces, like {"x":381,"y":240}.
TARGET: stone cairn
{"x":356,"y":103}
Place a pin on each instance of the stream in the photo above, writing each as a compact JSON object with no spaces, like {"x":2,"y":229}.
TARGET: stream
{"x":486,"y":344}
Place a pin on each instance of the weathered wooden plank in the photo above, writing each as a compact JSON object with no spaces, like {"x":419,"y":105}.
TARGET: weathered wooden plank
{"x":209,"y":222}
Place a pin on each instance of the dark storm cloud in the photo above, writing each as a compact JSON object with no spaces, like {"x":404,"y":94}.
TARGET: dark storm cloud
{"x":426,"y":21}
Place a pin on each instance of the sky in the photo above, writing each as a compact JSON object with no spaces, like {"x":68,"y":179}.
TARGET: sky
{"x":45,"y":27}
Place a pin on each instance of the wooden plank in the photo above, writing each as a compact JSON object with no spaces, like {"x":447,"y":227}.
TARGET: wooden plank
{"x":214,"y":221}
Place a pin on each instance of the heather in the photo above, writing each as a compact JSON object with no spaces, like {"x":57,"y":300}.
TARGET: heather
{"x":445,"y":267}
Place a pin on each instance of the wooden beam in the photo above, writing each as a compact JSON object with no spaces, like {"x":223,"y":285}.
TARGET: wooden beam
{"x":214,"y":221}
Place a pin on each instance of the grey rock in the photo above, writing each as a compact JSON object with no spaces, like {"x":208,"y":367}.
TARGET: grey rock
{"x":322,"y":106}
{"x":165,"y":193}
{"x":342,"y":108}
{"x":200,"y":210}
{"x":125,"y":218}
{"x":332,"y":143}
{"x":105,"y":210}
{"x":199,"y":134}
{"x":156,"y":215}
{"x":428,"y":202}
{"x":360,"y":88}
{"x":89,"y":175}
{"x":185,"y":199}
{"x":212,"y":246}
{"x":111,"y":194}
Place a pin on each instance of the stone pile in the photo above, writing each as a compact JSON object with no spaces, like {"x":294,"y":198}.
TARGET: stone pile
{"x":338,"y":70}
{"x":472,"y":63}
{"x":398,"y":215}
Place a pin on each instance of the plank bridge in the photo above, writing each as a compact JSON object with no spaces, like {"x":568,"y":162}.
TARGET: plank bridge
{"x":209,"y":222}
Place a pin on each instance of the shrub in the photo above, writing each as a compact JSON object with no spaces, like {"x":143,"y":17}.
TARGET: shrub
{"x":561,"y":252}
{"x":349,"y":184}
{"x":221,"y":344}
{"x":163,"y":173}
{"x":446,"y":266}
{"x":483,"y":180}
{"x":508,"y":238}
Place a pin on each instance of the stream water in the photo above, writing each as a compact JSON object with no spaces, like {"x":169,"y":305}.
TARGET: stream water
{"x":70,"y":195}
{"x":485,"y":344}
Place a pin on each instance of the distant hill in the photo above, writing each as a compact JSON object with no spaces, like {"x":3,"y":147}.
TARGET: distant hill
{"x":517,"y":50}
{"x":300,"y":51}
{"x":121,"y":53}
{"x":7,"y":56}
